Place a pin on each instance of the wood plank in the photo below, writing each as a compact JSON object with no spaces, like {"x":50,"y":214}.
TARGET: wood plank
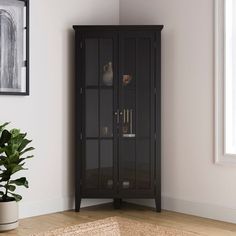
{"x":175,"y":220}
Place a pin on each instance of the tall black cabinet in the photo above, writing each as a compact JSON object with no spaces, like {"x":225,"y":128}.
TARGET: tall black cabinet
{"x":118,"y":113}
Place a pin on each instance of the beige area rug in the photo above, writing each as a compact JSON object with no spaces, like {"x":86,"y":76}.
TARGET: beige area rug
{"x":116,"y":226}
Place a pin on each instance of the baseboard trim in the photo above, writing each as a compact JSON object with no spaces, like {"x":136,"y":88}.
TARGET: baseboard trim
{"x":30,"y":209}
{"x":211,"y":211}
{"x":205,"y":210}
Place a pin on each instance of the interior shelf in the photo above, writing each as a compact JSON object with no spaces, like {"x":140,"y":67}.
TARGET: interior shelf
{"x":98,"y":87}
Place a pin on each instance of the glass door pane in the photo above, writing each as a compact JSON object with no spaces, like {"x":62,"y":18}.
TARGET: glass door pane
{"x":144,"y":113}
{"x":106,"y":149}
{"x":137,"y":113}
{"x":99,"y":111}
{"x":143,"y":89}
{"x":92,"y":164}
{"x":128,"y":89}
{"x":106,"y":113}
{"x":91,"y":62}
{"x":106,"y":60}
{"x":127,"y":143}
{"x":91,"y":113}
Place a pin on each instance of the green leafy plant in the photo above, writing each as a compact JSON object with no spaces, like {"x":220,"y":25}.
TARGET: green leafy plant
{"x":13,"y":149}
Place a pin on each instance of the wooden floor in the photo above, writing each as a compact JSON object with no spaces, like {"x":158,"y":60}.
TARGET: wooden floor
{"x":176,"y":220}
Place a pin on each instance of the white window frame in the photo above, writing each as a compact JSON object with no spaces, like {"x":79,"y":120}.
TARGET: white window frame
{"x":221,"y":157}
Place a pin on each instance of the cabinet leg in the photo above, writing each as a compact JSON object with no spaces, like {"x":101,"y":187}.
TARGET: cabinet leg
{"x":117,"y":203}
{"x":77,"y":204}
{"x":158,"y":204}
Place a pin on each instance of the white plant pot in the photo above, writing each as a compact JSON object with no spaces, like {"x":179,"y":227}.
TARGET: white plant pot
{"x":8,"y":215}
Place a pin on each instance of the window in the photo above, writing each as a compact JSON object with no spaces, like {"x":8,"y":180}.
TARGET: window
{"x":225,"y":81}
{"x":230,"y":76}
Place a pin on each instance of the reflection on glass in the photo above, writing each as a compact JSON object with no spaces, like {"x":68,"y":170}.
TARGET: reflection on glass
{"x":127,"y":163}
{"x":143,"y":85}
{"x":92,"y":164}
{"x":105,"y":131}
{"x":110,"y":183}
{"x":106,"y":113}
{"x":106,"y":161}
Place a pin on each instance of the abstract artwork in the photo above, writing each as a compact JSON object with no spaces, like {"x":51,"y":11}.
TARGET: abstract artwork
{"x":14,"y":71}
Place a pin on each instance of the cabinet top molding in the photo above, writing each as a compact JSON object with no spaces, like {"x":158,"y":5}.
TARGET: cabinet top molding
{"x":118,"y":27}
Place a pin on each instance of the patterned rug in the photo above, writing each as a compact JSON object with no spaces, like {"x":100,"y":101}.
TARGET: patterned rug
{"x":116,"y":226}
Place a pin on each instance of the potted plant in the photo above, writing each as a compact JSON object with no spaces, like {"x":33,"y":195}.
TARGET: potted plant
{"x":13,"y":150}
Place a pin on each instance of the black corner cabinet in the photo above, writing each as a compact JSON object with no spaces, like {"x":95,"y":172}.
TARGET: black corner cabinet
{"x":118,"y":113}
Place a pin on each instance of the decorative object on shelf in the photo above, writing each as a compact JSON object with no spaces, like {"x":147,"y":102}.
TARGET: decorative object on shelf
{"x":105,"y":131}
{"x":108,"y":74}
{"x":125,"y":128}
{"x":128,"y":123}
{"x":13,"y":147}
{"x":14,"y":47}
{"x":129,"y":135}
{"x":110,"y":183}
{"x":126,"y":184}
{"x":127,"y":79}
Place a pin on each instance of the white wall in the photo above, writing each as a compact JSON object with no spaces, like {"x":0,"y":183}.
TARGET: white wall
{"x":47,"y":114}
{"x":191,"y":183}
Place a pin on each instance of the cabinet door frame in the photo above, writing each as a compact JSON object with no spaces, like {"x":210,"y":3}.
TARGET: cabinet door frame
{"x":98,"y":192}
{"x":80,"y":114}
{"x":158,"y":120}
{"x":78,"y":122}
{"x":139,"y":193}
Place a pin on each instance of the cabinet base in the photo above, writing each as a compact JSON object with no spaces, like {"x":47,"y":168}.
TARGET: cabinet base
{"x":117,"y":203}
{"x":158,"y":204}
{"x":77,"y":205}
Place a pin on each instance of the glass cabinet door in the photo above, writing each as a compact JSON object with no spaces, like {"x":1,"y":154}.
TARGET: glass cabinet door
{"x":118,"y":127}
{"x":136,"y":96}
{"x":99,"y":103}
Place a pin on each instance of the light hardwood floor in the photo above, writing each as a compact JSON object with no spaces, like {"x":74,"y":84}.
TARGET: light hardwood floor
{"x":176,"y":220}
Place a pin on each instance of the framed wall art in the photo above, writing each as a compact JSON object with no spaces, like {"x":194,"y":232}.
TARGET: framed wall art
{"x":14,"y":47}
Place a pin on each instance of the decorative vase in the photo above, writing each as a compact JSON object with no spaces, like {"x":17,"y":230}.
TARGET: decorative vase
{"x":108,"y":74}
{"x":8,"y":215}
{"x":127,"y":79}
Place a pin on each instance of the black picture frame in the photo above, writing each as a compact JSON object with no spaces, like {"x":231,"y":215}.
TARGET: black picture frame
{"x":26,"y":49}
